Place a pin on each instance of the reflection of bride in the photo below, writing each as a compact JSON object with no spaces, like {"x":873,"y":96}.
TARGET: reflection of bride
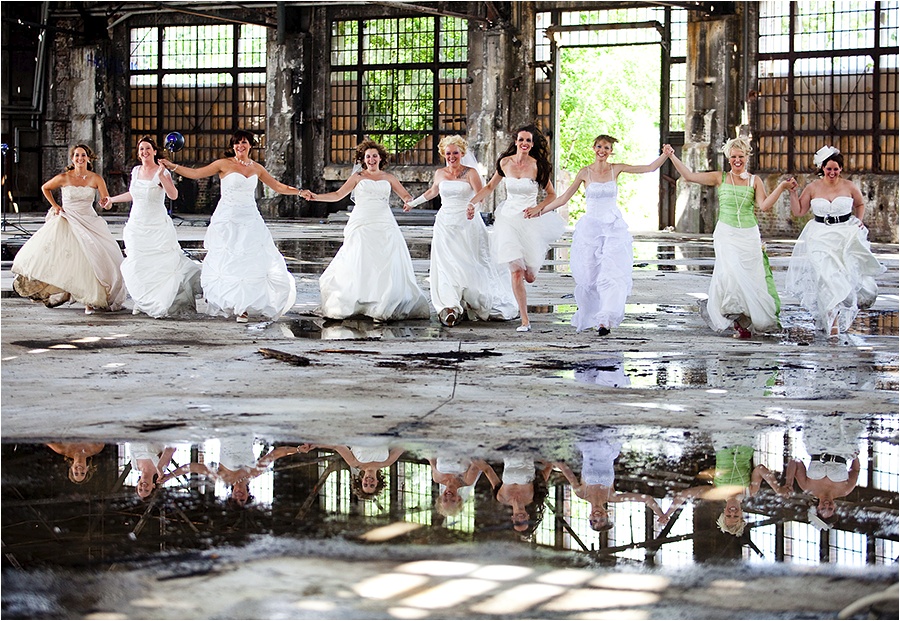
{"x":78,"y":454}
{"x":236,"y":468}
{"x":366,"y":463}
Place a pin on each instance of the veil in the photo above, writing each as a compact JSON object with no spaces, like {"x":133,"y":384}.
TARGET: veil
{"x":471,"y":161}
{"x":356,"y":168}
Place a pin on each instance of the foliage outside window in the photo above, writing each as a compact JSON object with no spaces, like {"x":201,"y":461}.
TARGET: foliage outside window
{"x":609,"y":83}
{"x":401,"y":82}
{"x":204,"y":81}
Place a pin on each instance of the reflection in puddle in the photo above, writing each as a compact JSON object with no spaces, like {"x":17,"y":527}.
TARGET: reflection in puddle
{"x":820,"y":491}
{"x":357,"y":328}
{"x":67,"y":503}
{"x":764,"y":375}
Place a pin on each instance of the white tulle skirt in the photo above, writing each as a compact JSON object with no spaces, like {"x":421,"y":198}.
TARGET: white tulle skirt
{"x":160,"y":278}
{"x":243,"y":270}
{"x":832,"y":272}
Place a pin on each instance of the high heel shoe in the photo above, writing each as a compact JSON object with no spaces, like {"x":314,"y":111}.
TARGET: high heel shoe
{"x":243,"y":318}
{"x":448,"y":317}
{"x":524,"y":328}
{"x":740,"y":331}
{"x":602,"y":331}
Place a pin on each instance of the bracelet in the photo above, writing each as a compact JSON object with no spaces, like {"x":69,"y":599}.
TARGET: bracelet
{"x":175,"y":168}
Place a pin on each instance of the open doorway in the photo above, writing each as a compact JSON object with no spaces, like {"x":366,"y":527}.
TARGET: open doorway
{"x":613,"y":91}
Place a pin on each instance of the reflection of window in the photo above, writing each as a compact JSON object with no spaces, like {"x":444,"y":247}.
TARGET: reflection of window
{"x":828,"y":75}
{"x":204,"y":81}
{"x":401,"y":82}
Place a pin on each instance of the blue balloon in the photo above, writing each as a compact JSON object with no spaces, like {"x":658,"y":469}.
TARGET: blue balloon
{"x":174,"y":142}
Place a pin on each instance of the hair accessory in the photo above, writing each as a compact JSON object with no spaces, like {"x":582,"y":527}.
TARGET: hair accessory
{"x":814,"y":519}
{"x":823,"y":154}
{"x":469,"y":160}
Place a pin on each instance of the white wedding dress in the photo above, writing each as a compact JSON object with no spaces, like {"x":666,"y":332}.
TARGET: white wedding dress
{"x":463,"y":274}
{"x":523,"y":242}
{"x":832,"y":269}
{"x":243,"y":270}
{"x":372,"y":272}
{"x":73,"y":252}
{"x":160,"y":278}
{"x":602,"y":260}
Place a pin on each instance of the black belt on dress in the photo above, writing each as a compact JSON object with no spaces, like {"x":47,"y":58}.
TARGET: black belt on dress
{"x":826,"y":457}
{"x":833,"y":219}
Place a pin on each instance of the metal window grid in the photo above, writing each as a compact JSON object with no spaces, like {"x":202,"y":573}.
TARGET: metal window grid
{"x":827,"y":74}
{"x":402,"y":82}
{"x":203,"y":80}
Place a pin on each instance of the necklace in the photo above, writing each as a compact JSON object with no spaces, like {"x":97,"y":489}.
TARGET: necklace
{"x":740,"y":207}
{"x":82,"y":177}
{"x":243,"y":163}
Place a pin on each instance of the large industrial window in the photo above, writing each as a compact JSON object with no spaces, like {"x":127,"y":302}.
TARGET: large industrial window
{"x":613,"y":28}
{"x":204,"y":81}
{"x":827,"y":75}
{"x":401,"y":82}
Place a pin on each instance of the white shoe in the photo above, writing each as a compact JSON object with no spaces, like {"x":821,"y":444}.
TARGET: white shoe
{"x":243,"y":318}
{"x":524,"y":328}
{"x":88,"y":310}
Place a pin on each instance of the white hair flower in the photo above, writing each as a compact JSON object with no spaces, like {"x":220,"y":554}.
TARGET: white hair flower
{"x":823,"y":154}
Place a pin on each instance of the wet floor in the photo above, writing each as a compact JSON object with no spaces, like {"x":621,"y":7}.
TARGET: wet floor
{"x":474,"y":472}
{"x":627,"y":497}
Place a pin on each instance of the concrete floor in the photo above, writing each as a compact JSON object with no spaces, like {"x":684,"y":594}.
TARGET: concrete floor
{"x":114,"y":377}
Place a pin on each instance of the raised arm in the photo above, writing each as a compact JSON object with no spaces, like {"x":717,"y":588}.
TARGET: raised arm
{"x":398,"y":188}
{"x":104,"y":193}
{"x":760,"y":474}
{"x":425,"y":196}
{"x":562,"y":199}
{"x":275,"y":453}
{"x":333,"y":197}
{"x":859,"y":205}
{"x":165,"y":178}
{"x":48,"y":188}
{"x":272,"y":182}
{"x":768,"y":201}
{"x":486,"y":191}
{"x":488,"y":471}
{"x":165,"y":458}
{"x":684,"y":495}
{"x":196,"y":173}
{"x":661,"y":516}
{"x":549,"y":198}
{"x":193,"y":468}
{"x":124,"y":197}
{"x":712,"y":177}
{"x":800,"y":204}
{"x":654,"y":165}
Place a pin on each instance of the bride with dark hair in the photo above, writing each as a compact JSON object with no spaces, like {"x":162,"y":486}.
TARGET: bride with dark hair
{"x":243,"y":272}
{"x":522,"y":242}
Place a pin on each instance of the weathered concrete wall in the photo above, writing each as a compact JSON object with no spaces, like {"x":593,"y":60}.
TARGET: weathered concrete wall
{"x":72,"y":100}
{"x":713,"y":113}
{"x":284,"y":64}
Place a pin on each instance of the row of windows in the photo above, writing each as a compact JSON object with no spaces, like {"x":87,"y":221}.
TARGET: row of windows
{"x":827,"y":75}
{"x":404,"y":81}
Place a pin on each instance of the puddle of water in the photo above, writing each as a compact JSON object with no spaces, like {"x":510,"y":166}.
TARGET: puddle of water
{"x":70,"y":503}
{"x":359,"y":328}
{"x":766,"y":375}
